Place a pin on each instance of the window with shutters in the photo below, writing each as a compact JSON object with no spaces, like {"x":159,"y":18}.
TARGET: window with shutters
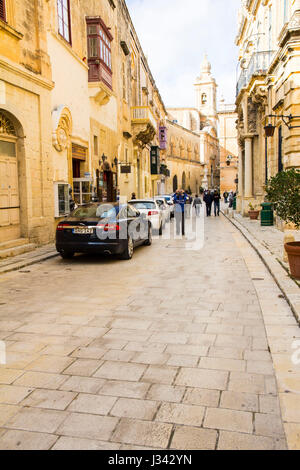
{"x":2,"y":10}
{"x":99,"y":51}
{"x":64,"y":19}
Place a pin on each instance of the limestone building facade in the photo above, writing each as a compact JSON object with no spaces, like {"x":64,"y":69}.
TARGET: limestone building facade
{"x":268,"y":91}
{"x":228,"y":147}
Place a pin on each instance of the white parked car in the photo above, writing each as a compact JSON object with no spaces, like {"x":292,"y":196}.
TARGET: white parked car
{"x":164,"y":207}
{"x":169,"y":201}
{"x":151,"y":209}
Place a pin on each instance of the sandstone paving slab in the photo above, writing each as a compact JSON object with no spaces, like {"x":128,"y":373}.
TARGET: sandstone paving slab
{"x":41,"y":380}
{"x":72,"y":443}
{"x":226,"y":353}
{"x":132,"y":408}
{"x":181,"y":414}
{"x":88,"y":426}
{"x":188,"y":350}
{"x":187,"y":437}
{"x":222,"y":364}
{"x":92,"y":404}
{"x":52,"y":364}
{"x":202,"y":378}
{"x":268,"y":425}
{"x":150,"y":358}
{"x":229,"y":420}
{"x":166,"y":393}
{"x":121,"y":371}
{"x":160,"y":374}
{"x":292,"y":432}
{"x":37,"y":420}
{"x":207,"y":398}
{"x":8,"y":376}
{"x":119,"y":356}
{"x":82,"y":384}
{"x":125,"y":389}
{"x":239,"y":441}
{"x":49,"y":399}
{"x":24,"y":440}
{"x":7,"y":412}
{"x":82,"y":367}
{"x":12,"y":395}
{"x":151,"y":348}
{"x":240,"y":401}
{"x":145,"y":433}
{"x":183,"y":361}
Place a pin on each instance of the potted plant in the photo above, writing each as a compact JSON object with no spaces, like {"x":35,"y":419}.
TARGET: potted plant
{"x":283,"y":190}
{"x":253,"y":212}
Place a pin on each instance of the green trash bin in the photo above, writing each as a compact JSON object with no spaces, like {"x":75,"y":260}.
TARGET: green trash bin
{"x":267,"y":215}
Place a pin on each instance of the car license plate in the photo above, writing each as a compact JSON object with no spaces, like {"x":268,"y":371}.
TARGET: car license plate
{"x":83,"y":231}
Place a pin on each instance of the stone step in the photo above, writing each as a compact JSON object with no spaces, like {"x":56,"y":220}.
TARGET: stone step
{"x":13,"y":243}
{"x":17,"y":250}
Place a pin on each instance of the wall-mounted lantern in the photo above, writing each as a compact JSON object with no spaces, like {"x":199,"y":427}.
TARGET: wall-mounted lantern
{"x":270,"y":128}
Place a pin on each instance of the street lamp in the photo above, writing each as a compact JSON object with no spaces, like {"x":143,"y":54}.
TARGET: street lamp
{"x":228,"y":160}
{"x":270,"y":128}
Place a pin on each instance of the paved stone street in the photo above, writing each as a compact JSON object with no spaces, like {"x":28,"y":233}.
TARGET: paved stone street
{"x":168,"y":350}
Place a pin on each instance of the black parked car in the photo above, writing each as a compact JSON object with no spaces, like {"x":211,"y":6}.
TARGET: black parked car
{"x":107,"y":228}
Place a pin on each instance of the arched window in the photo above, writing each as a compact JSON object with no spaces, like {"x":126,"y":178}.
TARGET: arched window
{"x":175,"y":183}
{"x":204,"y":98}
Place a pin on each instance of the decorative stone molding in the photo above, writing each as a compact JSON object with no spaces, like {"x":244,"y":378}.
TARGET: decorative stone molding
{"x":260,"y":97}
{"x":62,"y":127}
{"x":252,"y":117}
{"x":6,"y":126}
{"x":143,"y":135}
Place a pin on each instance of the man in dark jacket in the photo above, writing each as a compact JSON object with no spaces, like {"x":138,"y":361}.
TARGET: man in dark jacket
{"x":208,"y":199}
{"x":180,"y":200}
{"x":217,"y":199}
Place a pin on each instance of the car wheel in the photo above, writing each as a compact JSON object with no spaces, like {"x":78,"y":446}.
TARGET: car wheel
{"x":67,"y":254}
{"x":128,"y":253}
{"x":149,"y":241}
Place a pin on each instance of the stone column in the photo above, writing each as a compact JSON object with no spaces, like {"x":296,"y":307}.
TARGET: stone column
{"x":248,"y":168}
{"x":241,"y":173}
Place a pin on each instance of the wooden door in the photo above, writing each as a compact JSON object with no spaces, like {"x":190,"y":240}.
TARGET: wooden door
{"x":9,"y":193}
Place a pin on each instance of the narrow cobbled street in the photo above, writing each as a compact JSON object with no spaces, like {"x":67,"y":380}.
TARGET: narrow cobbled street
{"x":168,"y":350}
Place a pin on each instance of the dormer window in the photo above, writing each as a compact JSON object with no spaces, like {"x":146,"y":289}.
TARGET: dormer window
{"x":99,"y":51}
{"x":204,"y":98}
{"x":2,"y":10}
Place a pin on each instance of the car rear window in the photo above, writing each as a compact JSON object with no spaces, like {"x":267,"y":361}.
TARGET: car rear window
{"x":102,"y":211}
{"x":143,"y":205}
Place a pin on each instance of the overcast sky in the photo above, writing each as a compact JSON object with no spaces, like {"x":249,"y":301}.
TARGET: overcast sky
{"x":175,"y":35}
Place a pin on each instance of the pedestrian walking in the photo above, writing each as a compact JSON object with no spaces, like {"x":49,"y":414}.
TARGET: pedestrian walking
{"x":197,"y":203}
{"x":217,"y":199}
{"x":230,"y":199}
{"x":180,"y":201}
{"x":208,"y":199}
{"x":225,"y":196}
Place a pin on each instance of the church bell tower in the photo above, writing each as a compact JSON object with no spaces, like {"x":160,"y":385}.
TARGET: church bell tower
{"x":206,"y":95}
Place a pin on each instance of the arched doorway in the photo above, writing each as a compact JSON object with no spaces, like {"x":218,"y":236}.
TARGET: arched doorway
{"x":175,"y":183}
{"x":184,"y":180}
{"x":10,"y":224}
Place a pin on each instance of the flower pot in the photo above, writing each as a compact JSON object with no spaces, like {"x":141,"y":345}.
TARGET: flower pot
{"x":293,"y":251}
{"x":253,"y":215}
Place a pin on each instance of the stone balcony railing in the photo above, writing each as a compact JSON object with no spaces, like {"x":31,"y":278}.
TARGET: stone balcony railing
{"x":143,"y":115}
{"x":258,"y":65}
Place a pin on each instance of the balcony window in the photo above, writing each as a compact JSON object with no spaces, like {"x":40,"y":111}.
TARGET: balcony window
{"x":2,"y":10}
{"x":64,"y":19}
{"x":99,"y":51}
